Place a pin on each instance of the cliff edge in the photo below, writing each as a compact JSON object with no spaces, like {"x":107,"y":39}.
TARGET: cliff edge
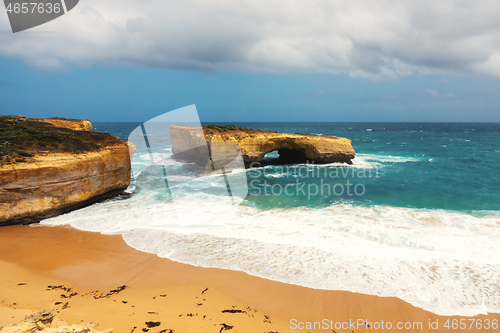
{"x":51,"y":166}
{"x":255,"y":144}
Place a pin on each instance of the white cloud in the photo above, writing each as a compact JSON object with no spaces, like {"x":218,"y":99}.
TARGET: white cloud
{"x":367,"y":38}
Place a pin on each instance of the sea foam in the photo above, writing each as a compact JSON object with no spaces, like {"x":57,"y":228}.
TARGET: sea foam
{"x":442,"y":261}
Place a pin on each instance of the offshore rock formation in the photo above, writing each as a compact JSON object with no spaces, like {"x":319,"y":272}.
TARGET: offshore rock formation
{"x":46,"y":170}
{"x":188,"y":143}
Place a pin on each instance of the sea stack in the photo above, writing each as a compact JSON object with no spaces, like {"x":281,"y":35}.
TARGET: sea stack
{"x":255,"y":144}
{"x":52,"y":166}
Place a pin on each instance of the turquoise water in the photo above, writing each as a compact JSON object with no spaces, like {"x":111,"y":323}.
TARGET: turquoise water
{"x":417,"y":215}
{"x":434,"y":166}
{"x":452,"y":166}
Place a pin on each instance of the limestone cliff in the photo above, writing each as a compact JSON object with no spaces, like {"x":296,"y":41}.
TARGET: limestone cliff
{"x":72,"y":124}
{"x":254,"y":144}
{"x":46,"y":170}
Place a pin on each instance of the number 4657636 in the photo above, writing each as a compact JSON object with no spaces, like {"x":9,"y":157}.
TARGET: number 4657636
{"x":34,"y":7}
{"x":471,"y":323}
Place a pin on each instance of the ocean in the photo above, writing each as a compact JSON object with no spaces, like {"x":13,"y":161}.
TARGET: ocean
{"x":417,"y":215}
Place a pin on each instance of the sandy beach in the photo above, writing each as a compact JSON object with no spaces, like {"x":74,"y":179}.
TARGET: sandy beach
{"x":250,"y":166}
{"x":89,"y":277}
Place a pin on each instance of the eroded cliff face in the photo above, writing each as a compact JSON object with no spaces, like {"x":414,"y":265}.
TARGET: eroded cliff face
{"x":254,"y":144}
{"x":49,"y":183}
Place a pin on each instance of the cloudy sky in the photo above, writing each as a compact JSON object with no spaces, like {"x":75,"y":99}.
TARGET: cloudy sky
{"x":253,"y":60}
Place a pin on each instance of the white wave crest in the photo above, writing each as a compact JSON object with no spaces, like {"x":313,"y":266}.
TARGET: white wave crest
{"x":413,"y":254}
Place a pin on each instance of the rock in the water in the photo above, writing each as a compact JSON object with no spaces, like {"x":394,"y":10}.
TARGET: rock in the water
{"x":223,"y":141}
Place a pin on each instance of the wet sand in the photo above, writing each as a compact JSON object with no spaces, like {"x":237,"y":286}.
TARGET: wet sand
{"x":96,"y":267}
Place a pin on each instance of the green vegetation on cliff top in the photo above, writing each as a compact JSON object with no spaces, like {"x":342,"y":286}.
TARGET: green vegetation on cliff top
{"x":228,"y":128}
{"x":22,"y":138}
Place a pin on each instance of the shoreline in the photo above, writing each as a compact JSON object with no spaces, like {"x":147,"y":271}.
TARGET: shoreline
{"x":89,"y":261}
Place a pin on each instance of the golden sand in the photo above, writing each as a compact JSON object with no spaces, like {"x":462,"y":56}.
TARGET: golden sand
{"x":89,"y":277}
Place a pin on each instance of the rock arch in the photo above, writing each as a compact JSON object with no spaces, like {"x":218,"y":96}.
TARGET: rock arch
{"x":255,"y":144}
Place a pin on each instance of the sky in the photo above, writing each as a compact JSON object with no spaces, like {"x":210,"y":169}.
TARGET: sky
{"x":253,"y":60}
